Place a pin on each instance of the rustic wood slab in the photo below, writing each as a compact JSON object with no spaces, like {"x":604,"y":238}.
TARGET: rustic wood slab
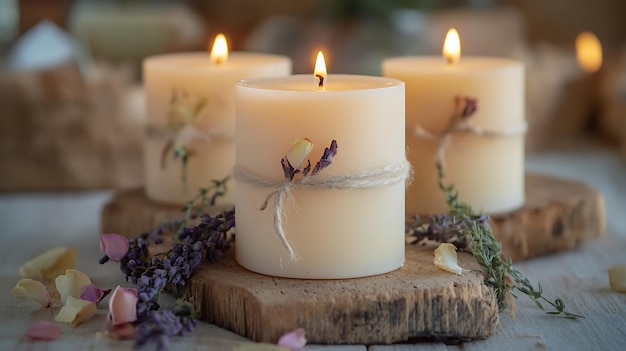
{"x":415,"y":301}
{"x":558,"y":215}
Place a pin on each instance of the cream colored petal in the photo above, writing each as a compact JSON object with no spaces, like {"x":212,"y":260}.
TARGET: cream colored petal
{"x":50,"y":264}
{"x":71,"y":283}
{"x":617,"y":278}
{"x":75,"y":311}
{"x":445,"y":258}
{"x":299,"y":151}
{"x":32,"y":290}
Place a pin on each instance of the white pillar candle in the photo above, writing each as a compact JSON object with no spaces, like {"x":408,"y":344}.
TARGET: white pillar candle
{"x":335,"y":233}
{"x":199,"y":83}
{"x":487,"y":171}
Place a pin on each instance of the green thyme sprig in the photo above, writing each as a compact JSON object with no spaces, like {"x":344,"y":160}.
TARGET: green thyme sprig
{"x":501,"y":275}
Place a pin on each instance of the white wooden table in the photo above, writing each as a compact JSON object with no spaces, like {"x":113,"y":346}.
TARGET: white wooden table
{"x":32,"y":223}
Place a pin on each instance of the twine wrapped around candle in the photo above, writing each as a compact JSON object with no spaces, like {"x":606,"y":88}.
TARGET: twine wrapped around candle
{"x":367,"y":179}
{"x":459,"y":123}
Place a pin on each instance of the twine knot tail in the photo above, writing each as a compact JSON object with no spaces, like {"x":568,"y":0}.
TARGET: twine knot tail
{"x":279,"y":197}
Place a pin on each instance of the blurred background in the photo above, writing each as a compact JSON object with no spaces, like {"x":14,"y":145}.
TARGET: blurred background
{"x":70,"y":87}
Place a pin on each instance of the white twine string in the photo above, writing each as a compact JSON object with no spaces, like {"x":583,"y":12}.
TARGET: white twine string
{"x":368,"y":179}
{"x":461,"y":125}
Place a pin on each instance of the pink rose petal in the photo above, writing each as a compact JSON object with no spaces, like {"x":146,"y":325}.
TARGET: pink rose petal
{"x":123,"y":306}
{"x":44,"y":330}
{"x":294,"y":340}
{"x":113,"y":245}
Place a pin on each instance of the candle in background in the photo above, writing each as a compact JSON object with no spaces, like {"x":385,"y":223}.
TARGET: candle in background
{"x":191,"y":117}
{"x":352,"y":223}
{"x":486,"y":165}
{"x":612,"y":100}
{"x":610,"y":118}
{"x":579,"y":102}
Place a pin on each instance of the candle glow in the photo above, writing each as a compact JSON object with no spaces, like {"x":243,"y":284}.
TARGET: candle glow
{"x":588,"y":52}
{"x":452,"y":46}
{"x":320,"y":69}
{"x":219,"y":52}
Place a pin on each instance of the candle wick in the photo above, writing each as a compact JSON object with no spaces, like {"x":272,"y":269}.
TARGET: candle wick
{"x":321,"y":83}
{"x":450,"y":59}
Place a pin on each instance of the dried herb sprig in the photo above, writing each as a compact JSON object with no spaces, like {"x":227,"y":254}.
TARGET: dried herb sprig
{"x":470,"y":231}
{"x":194,"y":208}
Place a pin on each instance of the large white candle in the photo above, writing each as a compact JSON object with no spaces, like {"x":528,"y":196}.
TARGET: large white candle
{"x":191,"y":113}
{"x":336,"y":233}
{"x":487,"y":169}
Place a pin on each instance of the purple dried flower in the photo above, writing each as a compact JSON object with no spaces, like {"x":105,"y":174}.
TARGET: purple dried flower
{"x":158,"y":326}
{"x":288,"y":170}
{"x":135,"y":263}
{"x":467,"y":106}
{"x":327,"y":158}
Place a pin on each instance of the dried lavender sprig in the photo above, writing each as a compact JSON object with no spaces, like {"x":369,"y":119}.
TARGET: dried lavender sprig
{"x":158,"y":326}
{"x":436,"y":228}
{"x":207,"y":240}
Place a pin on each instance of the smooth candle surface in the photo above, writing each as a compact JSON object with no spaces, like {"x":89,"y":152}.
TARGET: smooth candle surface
{"x":488,"y":172}
{"x":210,"y":135}
{"x":336,"y":233}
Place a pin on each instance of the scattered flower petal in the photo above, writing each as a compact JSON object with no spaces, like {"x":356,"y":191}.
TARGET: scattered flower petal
{"x":123,"y":305}
{"x":75,"y":311}
{"x":259,"y":346}
{"x":617,"y":278}
{"x":294,"y":340}
{"x":32,"y":290}
{"x":50,"y":264}
{"x":300,"y":150}
{"x":92,"y":293}
{"x":445,"y":258}
{"x":43,"y":330}
{"x":113,"y":245}
{"x":71,"y":284}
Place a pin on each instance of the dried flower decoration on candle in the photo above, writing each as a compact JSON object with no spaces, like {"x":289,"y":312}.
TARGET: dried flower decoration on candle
{"x":470,"y":231}
{"x":185,"y":110}
{"x":298,"y":152}
{"x":464,"y":109}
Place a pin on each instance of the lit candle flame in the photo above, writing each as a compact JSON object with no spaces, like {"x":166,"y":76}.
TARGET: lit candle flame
{"x":320,"y":69}
{"x":452,"y":46}
{"x":588,"y":52}
{"x":219,"y":52}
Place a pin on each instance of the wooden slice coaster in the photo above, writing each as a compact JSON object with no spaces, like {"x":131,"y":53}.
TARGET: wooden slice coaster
{"x":415,"y":301}
{"x":558,"y":215}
